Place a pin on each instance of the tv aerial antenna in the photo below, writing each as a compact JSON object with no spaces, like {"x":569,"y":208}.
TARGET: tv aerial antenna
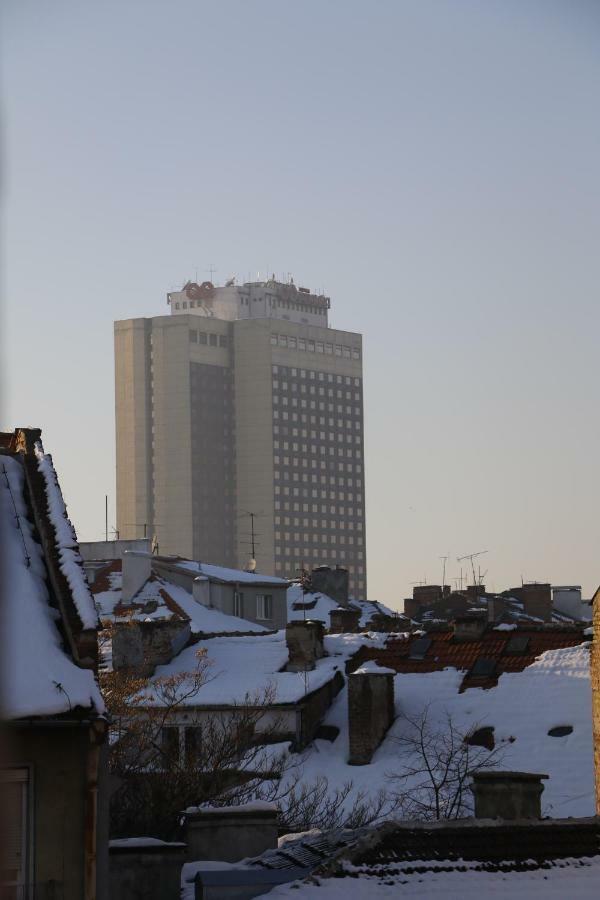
{"x":471,"y":557}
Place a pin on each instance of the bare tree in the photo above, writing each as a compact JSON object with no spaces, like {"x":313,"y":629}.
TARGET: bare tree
{"x":315,"y":805}
{"x":166,"y":754}
{"x":437,"y":762}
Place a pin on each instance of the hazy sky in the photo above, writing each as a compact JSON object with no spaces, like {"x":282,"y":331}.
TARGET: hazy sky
{"x":432,"y":165}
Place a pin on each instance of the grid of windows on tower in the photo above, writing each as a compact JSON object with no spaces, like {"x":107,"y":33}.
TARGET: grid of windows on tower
{"x":312,"y":346}
{"x":318,"y":471}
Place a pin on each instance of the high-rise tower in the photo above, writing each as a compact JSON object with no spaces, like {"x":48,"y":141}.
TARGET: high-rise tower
{"x":241,"y":401}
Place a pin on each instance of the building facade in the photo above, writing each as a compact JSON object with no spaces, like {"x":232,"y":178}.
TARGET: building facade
{"x":243,"y":400}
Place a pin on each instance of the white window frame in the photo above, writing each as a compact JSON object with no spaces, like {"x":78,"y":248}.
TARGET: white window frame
{"x":264,"y":606}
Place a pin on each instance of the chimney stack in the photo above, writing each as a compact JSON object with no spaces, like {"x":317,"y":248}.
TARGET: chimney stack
{"x":304,"y":639}
{"x":332,"y":582}
{"x":507,"y":795}
{"x":136,"y":570}
{"x":469,"y":627}
{"x":344,"y":620}
{"x":370,"y":710}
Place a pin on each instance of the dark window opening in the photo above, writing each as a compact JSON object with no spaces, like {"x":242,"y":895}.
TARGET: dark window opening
{"x":419,"y":648}
{"x":484,"y":668}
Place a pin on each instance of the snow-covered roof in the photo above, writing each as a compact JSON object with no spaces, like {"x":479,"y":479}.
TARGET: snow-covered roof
{"x":223,"y":574}
{"x":459,"y":861}
{"x":161,"y":599}
{"x":318,"y":606}
{"x":243,"y":667}
{"x":521,"y":708}
{"x":39,"y":677}
{"x":66,"y":541}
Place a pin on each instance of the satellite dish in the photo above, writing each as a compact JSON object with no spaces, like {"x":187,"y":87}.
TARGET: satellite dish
{"x":251,"y":565}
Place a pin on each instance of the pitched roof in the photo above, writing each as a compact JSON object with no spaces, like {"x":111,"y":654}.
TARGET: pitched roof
{"x":445,"y":651}
{"x":49,"y":646}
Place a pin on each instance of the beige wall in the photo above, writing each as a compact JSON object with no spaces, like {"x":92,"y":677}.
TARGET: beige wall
{"x":133,"y":424}
{"x":254,"y":439}
{"x":172,"y":434}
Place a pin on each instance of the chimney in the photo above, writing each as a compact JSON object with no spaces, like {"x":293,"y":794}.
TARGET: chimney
{"x":344,"y":621}
{"x":332,"y":582}
{"x":370,"y":710}
{"x":304,"y":639}
{"x":469,"y":627}
{"x":507,"y":795}
{"x":136,"y":568}
{"x":496,"y":608}
{"x":411,"y":607}
{"x":537,"y":601}
{"x":201,"y":590}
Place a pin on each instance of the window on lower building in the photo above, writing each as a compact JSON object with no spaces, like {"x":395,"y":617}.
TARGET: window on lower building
{"x":212,"y":339}
{"x":238,"y":604}
{"x":264,"y":606}
{"x":193,"y":744}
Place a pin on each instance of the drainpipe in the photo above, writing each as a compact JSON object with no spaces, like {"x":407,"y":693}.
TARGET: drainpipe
{"x":97,"y":735}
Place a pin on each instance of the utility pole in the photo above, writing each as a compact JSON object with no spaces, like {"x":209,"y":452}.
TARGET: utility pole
{"x":106,"y":518}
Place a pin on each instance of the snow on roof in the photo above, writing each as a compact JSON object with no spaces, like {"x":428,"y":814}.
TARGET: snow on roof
{"x":66,"y":541}
{"x":522,"y":707}
{"x":574,"y":878}
{"x":318,"y":606}
{"x":242,"y":668}
{"x":373,"y":668}
{"x":161,"y":599}
{"x":233,"y":576}
{"x":38,"y":677}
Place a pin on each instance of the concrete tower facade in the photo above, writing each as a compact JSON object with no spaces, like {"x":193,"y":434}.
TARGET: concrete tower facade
{"x":243,"y":400}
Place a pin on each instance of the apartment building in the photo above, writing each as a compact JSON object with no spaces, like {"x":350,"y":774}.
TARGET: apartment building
{"x":243,"y":400}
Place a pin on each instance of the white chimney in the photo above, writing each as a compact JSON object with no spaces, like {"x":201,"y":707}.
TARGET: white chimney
{"x":136,"y":568}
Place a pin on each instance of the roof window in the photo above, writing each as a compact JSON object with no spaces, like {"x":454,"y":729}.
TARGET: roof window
{"x":517,"y":645}
{"x":419,"y":648}
{"x":484,"y":668}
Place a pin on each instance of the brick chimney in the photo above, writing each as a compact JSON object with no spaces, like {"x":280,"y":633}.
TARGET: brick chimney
{"x":304,"y":639}
{"x":537,"y":601}
{"x":344,"y":621}
{"x":370,"y":710}
{"x":507,"y":795}
{"x":496,"y":608}
{"x":469,"y":627}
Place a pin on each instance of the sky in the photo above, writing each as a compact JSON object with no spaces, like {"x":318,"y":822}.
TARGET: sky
{"x":432,"y":165}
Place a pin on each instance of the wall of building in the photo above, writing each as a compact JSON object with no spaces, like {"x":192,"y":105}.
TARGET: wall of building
{"x":595,"y":678}
{"x":329,"y":528}
{"x":254,"y":439}
{"x":172,"y":435}
{"x":133,"y":413}
{"x":109,"y":550}
{"x":56,"y":758}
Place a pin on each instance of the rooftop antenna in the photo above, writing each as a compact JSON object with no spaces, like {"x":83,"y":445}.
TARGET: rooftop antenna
{"x":253,"y":516}
{"x":211,"y":271}
{"x":471,"y":557}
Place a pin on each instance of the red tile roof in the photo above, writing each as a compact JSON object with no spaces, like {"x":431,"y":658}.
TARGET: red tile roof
{"x":446,"y":652}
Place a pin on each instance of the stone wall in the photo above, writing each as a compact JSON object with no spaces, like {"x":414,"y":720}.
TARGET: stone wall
{"x":370,"y":711}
